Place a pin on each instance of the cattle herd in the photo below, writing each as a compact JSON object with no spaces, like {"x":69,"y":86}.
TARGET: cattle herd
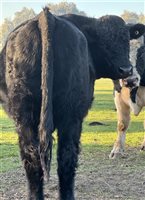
{"x":48,"y":67}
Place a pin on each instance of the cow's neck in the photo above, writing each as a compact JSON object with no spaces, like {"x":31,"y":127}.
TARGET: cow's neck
{"x":86,"y":26}
{"x":99,"y":63}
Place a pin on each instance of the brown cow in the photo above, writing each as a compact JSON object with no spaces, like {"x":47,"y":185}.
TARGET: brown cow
{"x":124,"y":105}
{"x":129,"y":98}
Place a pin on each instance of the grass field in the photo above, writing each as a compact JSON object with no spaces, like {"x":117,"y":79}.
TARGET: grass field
{"x":96,"y":142}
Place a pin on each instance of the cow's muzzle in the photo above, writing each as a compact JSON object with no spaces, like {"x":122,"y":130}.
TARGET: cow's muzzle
{"x":131,"y":82}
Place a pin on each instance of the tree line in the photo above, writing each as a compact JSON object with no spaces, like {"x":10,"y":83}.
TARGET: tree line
{"x":59,"y":9}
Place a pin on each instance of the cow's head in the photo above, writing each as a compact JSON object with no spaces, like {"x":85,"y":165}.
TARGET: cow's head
{"x":136,"y":30}
{"x":131,"y":81}
{"x":109,"y":45}
{"x":138,"y":76}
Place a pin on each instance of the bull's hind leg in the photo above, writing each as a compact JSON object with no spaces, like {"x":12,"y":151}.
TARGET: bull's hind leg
{"x":23,"y":110}
{"x":123,"y":113}
{"x":68,"y":150}
{"x":31,"y":160}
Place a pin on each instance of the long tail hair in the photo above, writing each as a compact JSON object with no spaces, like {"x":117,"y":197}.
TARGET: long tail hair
{"x":46,"y":126}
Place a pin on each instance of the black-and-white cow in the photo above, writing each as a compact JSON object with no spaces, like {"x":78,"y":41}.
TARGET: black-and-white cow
{"x":130,"y":97}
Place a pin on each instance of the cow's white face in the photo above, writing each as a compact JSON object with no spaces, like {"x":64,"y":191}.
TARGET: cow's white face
{"x":131,"y":81}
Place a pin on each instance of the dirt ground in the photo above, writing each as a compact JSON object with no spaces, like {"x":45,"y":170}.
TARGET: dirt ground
{"x":98,"y":178}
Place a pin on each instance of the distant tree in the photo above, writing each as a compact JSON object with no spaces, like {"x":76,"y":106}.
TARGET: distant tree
{"x":8,"y":25}
{"x":23,"y":15}
{"x":130,"y":17}
{"x":5,"y":28}
{"x":142,"y":18}
{"x":64,"y":8}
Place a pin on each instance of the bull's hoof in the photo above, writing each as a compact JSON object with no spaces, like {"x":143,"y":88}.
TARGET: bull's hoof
{"x":116,"y":152}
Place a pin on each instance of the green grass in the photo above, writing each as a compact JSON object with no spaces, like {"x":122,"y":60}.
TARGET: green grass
{"x":94,"y":138}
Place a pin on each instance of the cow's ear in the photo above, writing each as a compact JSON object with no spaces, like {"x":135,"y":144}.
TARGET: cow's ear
{"x":136,"y":30}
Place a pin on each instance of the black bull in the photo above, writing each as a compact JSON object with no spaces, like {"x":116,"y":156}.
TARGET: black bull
{"x":47,"y":72}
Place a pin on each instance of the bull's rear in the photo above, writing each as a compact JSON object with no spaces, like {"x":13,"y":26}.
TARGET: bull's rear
{"x":29,"y":82}
{"x":33,"y":90}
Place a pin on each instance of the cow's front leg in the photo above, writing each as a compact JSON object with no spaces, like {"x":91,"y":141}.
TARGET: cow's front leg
{"x":143,"y":143}
{"x":68,"y":149}
{"x":123,"y":113}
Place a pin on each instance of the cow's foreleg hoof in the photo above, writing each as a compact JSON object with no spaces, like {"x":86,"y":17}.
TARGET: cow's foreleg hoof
{"x":142,"y":147}
{"x":116,"y":152}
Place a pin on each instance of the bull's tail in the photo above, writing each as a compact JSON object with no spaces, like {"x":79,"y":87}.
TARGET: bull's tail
{"x":46,"y":126}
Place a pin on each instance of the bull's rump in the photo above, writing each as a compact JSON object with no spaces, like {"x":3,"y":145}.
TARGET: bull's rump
{"x":70,"y":62}
{"x":23,"y":55}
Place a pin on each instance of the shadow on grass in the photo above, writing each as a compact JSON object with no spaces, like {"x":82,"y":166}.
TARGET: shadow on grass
{"x":111,"y":126}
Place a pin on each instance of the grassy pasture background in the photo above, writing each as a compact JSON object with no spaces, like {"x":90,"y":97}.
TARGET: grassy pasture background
{"x":96,"y":143}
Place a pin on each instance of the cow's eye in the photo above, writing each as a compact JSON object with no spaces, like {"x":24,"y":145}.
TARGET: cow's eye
{"x":136,"y":32}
